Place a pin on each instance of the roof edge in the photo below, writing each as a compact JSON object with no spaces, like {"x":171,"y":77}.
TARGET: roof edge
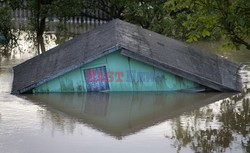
{"x":178,"y":72}
{"x":64,"y":71}
{"x":77,"y":37}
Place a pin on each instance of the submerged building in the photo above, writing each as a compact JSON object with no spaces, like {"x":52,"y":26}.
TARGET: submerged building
{"x":119,"y":56}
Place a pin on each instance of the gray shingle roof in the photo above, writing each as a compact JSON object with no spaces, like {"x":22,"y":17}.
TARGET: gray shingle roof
{"x":138,"y":43}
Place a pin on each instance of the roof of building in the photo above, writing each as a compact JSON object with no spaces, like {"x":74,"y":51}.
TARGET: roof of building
{"x":135,"y":42}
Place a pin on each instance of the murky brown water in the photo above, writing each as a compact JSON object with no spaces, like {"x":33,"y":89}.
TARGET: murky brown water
{"x":123,"y":122}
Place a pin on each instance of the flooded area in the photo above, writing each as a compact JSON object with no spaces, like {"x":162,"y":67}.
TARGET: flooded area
{"x":139,"y":122}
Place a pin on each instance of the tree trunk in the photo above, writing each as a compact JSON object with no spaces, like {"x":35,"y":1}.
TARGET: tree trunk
{"x":240,"y":41}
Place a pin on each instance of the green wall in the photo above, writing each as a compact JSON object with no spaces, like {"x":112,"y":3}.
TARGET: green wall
{"x":74,"y":81}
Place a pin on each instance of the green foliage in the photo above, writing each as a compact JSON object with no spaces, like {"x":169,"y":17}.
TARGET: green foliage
{"x":213,"y":18}
{"x":5,"y":23}
{"x":8,"y":39}
{"x":190,"y":20}
{"x":149,"y":14}
{"x":64,"y":9}
{"x":15,"y":4}
{"x":110,"y":9}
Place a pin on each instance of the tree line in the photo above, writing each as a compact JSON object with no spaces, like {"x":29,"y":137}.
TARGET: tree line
{"x":189,"y":20}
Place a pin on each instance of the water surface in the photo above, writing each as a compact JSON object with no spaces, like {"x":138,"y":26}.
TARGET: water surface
{"x":142,"y":122}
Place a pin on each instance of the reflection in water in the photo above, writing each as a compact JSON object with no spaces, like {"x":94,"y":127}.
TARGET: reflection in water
{"x":24,"y":37}
{"x":132,"y":122}
{"x":211,"y":130}
{"x":121,"y":114}
{"x":241,"y":56}
{"x":27,"y":43}
{"x":204,"y":127}
{"x":245,"y":76}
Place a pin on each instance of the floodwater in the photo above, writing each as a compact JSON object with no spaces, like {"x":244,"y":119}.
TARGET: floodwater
{"x":142,"y":122}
